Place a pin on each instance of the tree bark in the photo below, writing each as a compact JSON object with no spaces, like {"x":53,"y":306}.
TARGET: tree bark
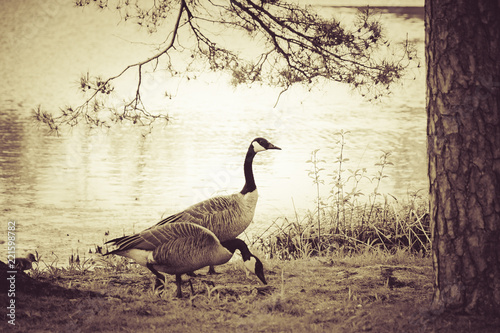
{"x":463,"y":129}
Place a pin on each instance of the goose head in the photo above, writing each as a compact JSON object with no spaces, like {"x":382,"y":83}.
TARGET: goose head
{"x":261,"y":144}
{"x":251,"y":262}
{"x":31,"y":257}
{"x":255,"y":266}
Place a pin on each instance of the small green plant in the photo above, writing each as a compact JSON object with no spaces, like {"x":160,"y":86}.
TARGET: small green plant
{"x":384,"y":162}
{"x":77,"y":266}
{"x":314,"y":175}
{"x":115,"y":263}
{"x":36,"y":270}
{"x":338,"y":182}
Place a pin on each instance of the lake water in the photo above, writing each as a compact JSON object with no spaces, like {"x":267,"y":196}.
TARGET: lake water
{"x":65,"y":192}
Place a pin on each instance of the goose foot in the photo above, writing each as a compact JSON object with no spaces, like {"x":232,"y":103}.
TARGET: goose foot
{"x":159,"y":285}
{"x":211,"y":271}
{"x":160,"y":278}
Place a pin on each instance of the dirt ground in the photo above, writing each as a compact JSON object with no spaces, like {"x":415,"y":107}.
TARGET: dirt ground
{"x":306,"y":295}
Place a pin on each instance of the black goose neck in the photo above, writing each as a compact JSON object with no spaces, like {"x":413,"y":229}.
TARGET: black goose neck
{"x":247,"y":169}
{"x":237,"y":244}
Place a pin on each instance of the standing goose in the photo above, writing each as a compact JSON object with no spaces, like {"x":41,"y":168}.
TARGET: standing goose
{"x":227,"y":216}
{"x":178,"y":248}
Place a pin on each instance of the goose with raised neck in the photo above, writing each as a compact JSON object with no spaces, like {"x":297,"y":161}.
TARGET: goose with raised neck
{"x":227,"y":215}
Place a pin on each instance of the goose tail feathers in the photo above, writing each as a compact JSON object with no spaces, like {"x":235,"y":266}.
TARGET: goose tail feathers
{"x":123,"y":243}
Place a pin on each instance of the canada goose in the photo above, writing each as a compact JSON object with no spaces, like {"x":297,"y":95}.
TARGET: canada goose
{"x":23,"y":264}
{"x":227,"y":216}
{"x":178,"y":248}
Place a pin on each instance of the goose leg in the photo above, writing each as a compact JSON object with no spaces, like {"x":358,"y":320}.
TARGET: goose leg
{"x":160,"y":278}
{"x":178,"y":282}
{"x":192,"y":289}
{"x":211,"y":270}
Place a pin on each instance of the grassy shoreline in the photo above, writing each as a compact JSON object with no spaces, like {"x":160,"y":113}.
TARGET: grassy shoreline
{"x":372,"y":291}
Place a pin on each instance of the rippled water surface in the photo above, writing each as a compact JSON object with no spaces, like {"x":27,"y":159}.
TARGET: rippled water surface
{"x":65,"y":192}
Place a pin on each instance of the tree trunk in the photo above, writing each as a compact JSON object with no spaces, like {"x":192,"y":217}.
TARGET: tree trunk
{"x":463,"y":128}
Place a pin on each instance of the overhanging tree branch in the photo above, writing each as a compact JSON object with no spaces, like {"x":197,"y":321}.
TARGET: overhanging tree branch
{"x":299,"y":47}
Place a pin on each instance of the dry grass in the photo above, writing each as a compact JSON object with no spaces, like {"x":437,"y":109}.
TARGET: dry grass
{"x":373,"y":291}
{"x":392,"y":227}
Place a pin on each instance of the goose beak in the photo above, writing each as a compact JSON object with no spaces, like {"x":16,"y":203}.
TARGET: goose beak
{"x":271,"y":146}
{"x":261,"y":276}
{"x":259,"y":271}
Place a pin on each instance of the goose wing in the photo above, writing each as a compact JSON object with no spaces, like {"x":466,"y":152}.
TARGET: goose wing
{"x":152,"y":238}
{"x":227,"y":216}
{"x":176,"y":247}
{"x":189,"y":247}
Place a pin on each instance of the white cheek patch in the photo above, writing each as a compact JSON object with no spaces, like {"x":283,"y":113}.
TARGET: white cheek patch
{"x":257,"y":147}
{"x":250,"y":264}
